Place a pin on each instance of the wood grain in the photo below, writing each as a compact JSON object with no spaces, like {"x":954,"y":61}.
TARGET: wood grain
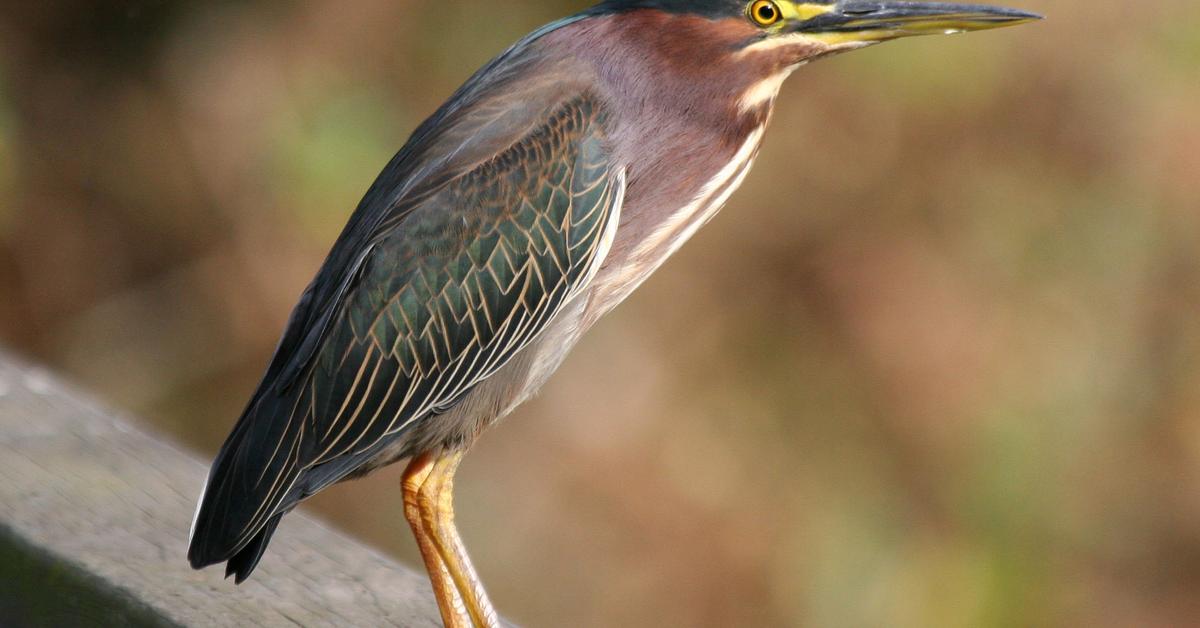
{"x":94,"y":517}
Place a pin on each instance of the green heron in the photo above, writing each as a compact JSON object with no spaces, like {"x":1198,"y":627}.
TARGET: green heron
{"x":545,"y":190}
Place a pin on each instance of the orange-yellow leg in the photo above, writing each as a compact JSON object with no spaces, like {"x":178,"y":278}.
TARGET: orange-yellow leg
{"x":450,"y":603}
{"x":429,"y":507}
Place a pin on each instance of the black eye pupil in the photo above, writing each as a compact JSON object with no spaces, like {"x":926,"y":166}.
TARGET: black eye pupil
{"x":766,"y":13}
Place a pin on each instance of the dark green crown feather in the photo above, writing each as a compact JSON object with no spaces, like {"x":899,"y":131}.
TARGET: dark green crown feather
{"x":712,"y":9}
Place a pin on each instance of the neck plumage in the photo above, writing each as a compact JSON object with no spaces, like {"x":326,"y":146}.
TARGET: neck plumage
{"x":686,"y":131}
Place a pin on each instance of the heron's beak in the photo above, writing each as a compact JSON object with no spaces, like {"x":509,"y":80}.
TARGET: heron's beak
{"x":866,"y":21}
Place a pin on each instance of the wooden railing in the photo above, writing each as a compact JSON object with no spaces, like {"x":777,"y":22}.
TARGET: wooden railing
{"x":94,"y":516}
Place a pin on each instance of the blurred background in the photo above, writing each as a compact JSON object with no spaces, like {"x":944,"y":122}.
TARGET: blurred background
{"x":957,"y":382}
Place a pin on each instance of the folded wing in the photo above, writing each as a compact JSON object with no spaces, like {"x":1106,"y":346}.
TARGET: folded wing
{"x":442,"y":295}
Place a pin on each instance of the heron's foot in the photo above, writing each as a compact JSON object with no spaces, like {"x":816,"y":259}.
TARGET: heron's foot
{"x":429,"y":507}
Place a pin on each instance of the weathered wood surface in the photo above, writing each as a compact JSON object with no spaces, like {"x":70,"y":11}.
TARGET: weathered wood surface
{"x":94,"y":517}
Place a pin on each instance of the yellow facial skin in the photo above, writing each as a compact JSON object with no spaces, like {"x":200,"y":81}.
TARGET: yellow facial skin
{"x":804,"y":11}
{"x":793,"y":12}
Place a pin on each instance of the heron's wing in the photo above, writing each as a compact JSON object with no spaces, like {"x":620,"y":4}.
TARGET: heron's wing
{"x":444,"y":295}
{"x":451,"y":291}
{"x":503,"y":102}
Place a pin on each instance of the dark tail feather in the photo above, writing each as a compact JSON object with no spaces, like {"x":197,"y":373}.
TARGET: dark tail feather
{"x":248,"y":489}
{"x":244,"y":562}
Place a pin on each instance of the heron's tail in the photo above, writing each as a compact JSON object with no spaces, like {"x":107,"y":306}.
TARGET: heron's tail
{"x":248,"y":489}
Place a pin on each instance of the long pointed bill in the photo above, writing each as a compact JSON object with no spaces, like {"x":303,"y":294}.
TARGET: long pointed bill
{"x":866,"y":21}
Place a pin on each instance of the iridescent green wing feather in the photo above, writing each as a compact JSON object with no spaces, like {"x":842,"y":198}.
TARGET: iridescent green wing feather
{"x":450,"y":292}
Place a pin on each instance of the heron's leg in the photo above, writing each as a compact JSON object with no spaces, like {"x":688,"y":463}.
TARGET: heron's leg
{"x":450,"y":603}
{"x":436,"y":504}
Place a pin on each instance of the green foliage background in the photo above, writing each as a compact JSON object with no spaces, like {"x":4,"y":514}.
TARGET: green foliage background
{"x":937,"y":364}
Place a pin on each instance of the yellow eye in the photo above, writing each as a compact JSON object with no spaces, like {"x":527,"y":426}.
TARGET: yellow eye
{"x":765,"y":12}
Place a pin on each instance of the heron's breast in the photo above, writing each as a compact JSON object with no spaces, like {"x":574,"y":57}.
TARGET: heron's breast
{"x":650,"y":235}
